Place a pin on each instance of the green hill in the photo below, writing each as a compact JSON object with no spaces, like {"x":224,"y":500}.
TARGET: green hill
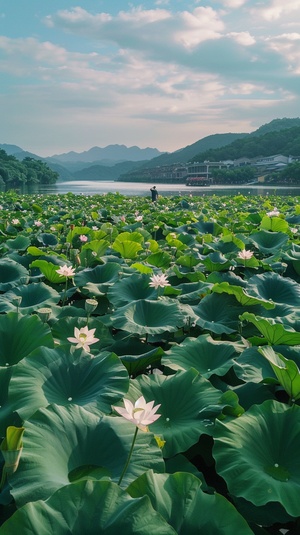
{"x":283,"y":141}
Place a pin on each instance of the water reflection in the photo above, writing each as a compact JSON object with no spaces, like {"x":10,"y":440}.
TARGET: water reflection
{"x":88,"y":187}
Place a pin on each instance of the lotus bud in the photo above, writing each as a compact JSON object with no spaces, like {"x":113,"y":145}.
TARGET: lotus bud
{"x":11,"y":448}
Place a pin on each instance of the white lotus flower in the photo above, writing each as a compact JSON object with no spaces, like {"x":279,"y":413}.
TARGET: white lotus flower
{"x":83,"y":338}
{"x":273,"y":212}
{"x":140,"y":414}
{"x":66,"y":271}
{"x":159,"y":281}
{"x":245,"y":255}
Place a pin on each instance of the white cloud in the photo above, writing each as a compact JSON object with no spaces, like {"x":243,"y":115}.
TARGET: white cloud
{"x":242,"y":38}
{"x":278,"y":9}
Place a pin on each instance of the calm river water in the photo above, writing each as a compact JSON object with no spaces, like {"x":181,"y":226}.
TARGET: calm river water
{"x":87,"y":187}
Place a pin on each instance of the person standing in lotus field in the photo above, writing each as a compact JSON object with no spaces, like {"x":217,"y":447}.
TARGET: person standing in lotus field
{"x":154,"y":193}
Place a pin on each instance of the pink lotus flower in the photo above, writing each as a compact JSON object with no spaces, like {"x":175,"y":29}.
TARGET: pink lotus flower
{"x":245,"y":255}
{"x":83,"y":338}
{"x":159,"y":281}
{"x":83,"y":238}
{"x":140,"y":414}
{"x":66,"y":271}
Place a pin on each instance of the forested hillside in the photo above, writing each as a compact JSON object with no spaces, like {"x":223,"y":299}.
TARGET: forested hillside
{"x":286,"y":142}
{"x":13,"y":173}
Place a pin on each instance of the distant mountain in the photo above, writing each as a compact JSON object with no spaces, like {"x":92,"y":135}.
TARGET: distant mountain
{"x":276,"y":125}
{"x":11,"y":150}
{"x":113,"y":153}
{"x":187,"y":153}
{"x":103,"y":172}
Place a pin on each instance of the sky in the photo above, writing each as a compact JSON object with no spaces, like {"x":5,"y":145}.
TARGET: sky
{"x":158,"y":73}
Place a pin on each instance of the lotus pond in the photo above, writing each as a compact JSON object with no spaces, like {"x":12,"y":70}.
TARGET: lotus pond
{"x":192,"y":305}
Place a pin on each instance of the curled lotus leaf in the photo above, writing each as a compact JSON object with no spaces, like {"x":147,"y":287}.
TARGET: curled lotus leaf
{"x":131,"y":289}
{"x":257,"y":463}
{"x":12,"y":274}
{"x":62,"y":443}
{"x":268,"y":242}
{"x":29,"y":298}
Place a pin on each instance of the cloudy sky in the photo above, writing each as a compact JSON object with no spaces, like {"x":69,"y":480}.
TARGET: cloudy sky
{"x":155,"y":73}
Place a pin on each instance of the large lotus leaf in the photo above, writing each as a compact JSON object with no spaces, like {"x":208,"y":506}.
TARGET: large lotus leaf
{"x":160,"y":259}
{"x":187,"y":403}
{"x":47,"y":239}
{"x":274,"y":333}
{"x":127,"y":248}
{"x":240,"y":294}
{"x":272,"y":286}
{"x":275,"y":224}
{"x":286,"y":371}
{"x":88,"y":507}
{"x":96,"y":281}
{"x":216,"y":262}
{"x":12,"y":274}
{"x":257,"y":455}
{"x":192,"y":291}
{"x":269,"y":242}
{"x":7,"y":417}
{"x":49,"y":270}
{"x":219,"y":313}
{"x":20,"y":243}
{"x":252,"y":367}
{"x":33,"y":297}
{"x":20,"y":335}
{"x":62,"y":443}
{"x":136,"y":364}
{"x":64,"y":328}
{"x":207,"y":227}
{"x":131,"y":289}
{"x":182,"y":503}
{"x":58,"y":376}
{"x":206,"y":355}
{"x":152,"y":317}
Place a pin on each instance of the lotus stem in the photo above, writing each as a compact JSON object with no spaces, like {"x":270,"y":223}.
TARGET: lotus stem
{"x":129,"y":456}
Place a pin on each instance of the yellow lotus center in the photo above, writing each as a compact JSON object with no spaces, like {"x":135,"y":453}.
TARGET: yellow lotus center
{"x":82,"y":337}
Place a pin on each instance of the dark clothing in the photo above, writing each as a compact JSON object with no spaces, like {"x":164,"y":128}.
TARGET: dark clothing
{"x":154,"y":193}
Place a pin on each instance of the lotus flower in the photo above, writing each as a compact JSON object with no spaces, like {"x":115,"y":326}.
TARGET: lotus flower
{"x":83,"y":338}
{"x":140,"y":414}
{"x":66,"y":271}
{"x":245,"y":255}
{"x":159,"y":281}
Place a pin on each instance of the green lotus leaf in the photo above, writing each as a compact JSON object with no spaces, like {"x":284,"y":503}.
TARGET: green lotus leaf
{"x":128,"y":244}
{"x":49,"y":270}
{"x":131,"y":289}
{"x":20,"y":243}
{"x":268,"y":242}
{"x":179,"y":499}
{"x":97,"y":281}
{"x":136,"y":364}
{"x":20,"y":335}
{"x":7,"y":416}
{"x":33,"y":297}
{"x":160,"y":259}
{"x":186,"y":399}
{"x":64,"y":327}
{"x":152,"y":317}
{"x":47,"y":239}
{"x":193,"y":291}
{"x":206,"y":355}
{"x":62,"y":441}
{"x":12,"y":274}
{"x":188,"y":261}
{"x":275,"y":224}
{"x":218,"y":313}
{"x":286,"y":371}
{"x":274,"y":333}
{"x":257,"y":463}
{"x":207,"y":227}
{"x":216,"y":262}
{"x":252,"y":367}
{"x":58,"y":376}
{"x":274,"y":287}
{"x":241,"y":295}
{"x":88,"y":507}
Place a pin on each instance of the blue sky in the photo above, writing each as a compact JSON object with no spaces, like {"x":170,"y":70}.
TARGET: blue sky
{"x":164,"y":73}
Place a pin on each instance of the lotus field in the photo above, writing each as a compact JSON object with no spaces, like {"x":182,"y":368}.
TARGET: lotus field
{"x":149,"y":365}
